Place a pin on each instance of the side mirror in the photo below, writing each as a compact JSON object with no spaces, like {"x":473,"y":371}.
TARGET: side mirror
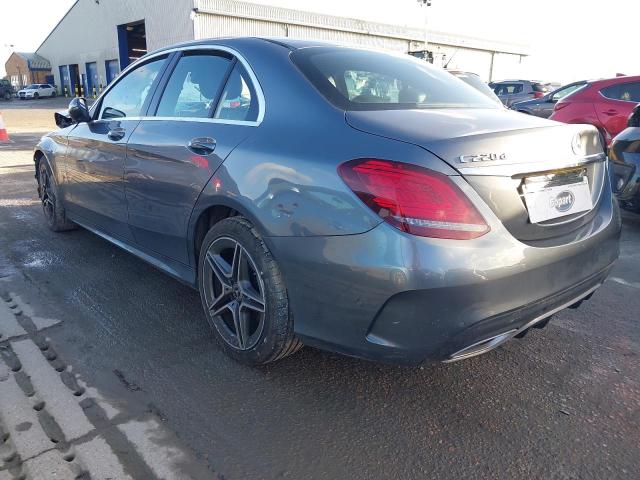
{"x":78,"y":110}
{"x":63,"y":120}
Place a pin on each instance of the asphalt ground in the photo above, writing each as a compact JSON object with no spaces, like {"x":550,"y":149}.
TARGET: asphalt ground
{"x":562,"y":403}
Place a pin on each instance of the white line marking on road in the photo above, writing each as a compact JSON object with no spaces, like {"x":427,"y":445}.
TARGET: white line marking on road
{"x":149,"y":439}
{"x":622,"y":281}
{"x":9,"y":326}
{"x":99,"y":459}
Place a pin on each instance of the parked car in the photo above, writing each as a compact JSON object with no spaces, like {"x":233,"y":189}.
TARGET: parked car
{"x":476,"y":82}
{"x":512,"y":91}
{"x":625,"y":159}
{"x":605,"y":104}
{"x":358,"y":201}
{"x":6,"y":90}
{"x":543,"y":106}
{"x":37,"y":90}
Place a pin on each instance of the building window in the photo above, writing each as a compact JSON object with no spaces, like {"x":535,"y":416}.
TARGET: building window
{"x":25,"y":79}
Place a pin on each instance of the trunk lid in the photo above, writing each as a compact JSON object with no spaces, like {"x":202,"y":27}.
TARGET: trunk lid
{"x":497,"y":151}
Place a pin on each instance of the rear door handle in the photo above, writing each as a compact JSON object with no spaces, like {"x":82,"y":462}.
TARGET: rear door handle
{"x":611,"y":112}
{"x":202,"y":145}
{"x":116,"y":133}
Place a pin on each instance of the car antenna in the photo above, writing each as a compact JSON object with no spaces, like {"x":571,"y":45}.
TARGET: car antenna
{"x":452,"y":56}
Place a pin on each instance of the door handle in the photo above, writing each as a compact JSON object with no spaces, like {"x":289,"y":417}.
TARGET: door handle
{"x":116,"y":133}
{"x":202,"y":145}
{"x":611,"y":112}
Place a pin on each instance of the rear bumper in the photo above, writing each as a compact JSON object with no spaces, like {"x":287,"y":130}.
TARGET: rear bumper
{"x":391,"y":297}
{"x":493,"y":332}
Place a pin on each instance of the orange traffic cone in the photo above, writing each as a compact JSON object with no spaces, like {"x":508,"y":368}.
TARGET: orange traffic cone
{"x":4,"y":136}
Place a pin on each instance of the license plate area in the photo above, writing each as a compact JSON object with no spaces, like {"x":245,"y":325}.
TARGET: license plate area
{"x":557,"y":194}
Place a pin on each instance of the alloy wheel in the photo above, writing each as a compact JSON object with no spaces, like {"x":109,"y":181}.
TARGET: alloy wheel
{"x":234,"y":293}
{"x":47,"y":195}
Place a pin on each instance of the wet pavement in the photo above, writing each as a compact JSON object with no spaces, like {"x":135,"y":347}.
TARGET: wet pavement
{"x":564,"y":402}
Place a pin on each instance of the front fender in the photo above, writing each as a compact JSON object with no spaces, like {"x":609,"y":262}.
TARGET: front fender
{"x":53,"y":148}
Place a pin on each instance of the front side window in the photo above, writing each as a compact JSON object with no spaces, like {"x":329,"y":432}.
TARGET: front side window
{"x":355,"y":79}
{"x":238,"y":100}
{"x":194,"y":86}
{"x":563,"y":92}
{"x":128,"y":96}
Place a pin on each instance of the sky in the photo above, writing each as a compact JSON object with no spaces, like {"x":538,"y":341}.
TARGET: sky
{"x":568,"y":39}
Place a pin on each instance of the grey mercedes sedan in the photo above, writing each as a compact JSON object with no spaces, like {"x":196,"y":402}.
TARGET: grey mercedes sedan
{"x":352,"y":200}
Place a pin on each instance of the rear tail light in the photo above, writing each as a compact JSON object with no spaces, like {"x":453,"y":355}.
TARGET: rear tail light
{"x":414,"y":199}
{"x":538,"y":94}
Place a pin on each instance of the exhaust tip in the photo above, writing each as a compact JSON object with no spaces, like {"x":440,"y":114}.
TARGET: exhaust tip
{"x":483,"y":346}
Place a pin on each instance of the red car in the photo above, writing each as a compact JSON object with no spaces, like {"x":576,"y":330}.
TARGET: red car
{"x":605,"y":104}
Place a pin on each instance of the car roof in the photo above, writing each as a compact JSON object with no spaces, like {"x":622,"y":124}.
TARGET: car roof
{"x":516,"y":80}
{"x":603,"y":82}
{"x":289,"y":43}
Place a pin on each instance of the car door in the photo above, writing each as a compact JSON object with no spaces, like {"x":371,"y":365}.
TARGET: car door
{"x":94,"y":165}
{"x":617,"y":103}
{"x":204,"y":108}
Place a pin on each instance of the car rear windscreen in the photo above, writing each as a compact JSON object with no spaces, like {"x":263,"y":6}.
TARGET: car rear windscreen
{"x":355,"y":79}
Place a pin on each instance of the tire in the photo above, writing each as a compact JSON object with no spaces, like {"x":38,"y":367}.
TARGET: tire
{"x":7,"y":96}
{"x":36,"y":96}
{"x":237,"y":277}
{"x":52,"y":206}
{"x":53,"y":94}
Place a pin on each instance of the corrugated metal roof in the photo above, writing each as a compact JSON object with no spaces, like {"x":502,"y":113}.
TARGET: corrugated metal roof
{"x":250,"y":13}
{"x":35,"y":61}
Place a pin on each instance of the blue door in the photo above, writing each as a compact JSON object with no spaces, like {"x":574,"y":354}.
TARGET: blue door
{"x":74,"y":78}
{"x":112,"y":68}
{"x":92,"y":78}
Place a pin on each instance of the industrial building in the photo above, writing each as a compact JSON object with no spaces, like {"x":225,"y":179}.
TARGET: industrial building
{"x":96,"y":39}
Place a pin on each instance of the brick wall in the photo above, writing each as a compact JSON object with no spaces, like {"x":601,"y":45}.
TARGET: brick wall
{"x":19,"y":74}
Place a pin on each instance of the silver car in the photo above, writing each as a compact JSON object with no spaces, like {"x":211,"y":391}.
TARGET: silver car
{"x":361,"y":202}
{"x":512,"y":91}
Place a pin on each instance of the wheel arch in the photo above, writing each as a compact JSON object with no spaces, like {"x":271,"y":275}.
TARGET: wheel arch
{"x":209,"y":212}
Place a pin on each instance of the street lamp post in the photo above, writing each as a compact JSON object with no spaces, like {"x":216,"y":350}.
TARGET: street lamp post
{"x":424,"y":4}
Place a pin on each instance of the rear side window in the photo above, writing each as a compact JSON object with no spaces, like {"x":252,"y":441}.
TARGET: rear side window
{"x":238,"y":100}
{"x":627,"y":92}
{"x":355,"y":79}
{"x":128,"y":96}
{"x":194,"y":86}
